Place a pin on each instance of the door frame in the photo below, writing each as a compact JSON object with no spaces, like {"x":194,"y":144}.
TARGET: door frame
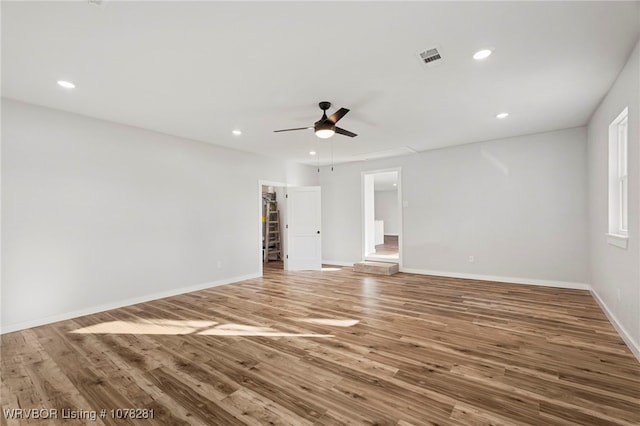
{"x":262,"y":183}
{"x":400,"y":207}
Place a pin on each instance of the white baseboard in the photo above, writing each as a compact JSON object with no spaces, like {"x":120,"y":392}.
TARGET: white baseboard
{"x":511,"y":280}
{"x":633,"y":346}
{"x":338,"y":262}
{"x":119,"y":304}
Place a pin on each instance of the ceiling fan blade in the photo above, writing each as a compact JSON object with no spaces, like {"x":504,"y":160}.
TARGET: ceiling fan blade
{"x":345,"y":132}
{"x":297,"y":128}
{"x":337,"y":115}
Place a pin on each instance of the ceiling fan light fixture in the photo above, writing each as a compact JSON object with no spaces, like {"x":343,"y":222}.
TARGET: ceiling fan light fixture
{"x":325,"y":130}
{"x":325,"y":133}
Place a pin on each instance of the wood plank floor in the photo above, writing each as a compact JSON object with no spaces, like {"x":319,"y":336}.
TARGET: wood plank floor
{"x":389,"y":247}
{"x":330,"y":348}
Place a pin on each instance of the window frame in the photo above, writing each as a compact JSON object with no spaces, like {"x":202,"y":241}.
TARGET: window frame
{"x":618,"y":234}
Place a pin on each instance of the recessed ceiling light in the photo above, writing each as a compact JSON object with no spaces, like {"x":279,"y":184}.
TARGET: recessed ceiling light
{"x":312,"y":153}
{"x":66,"y":84}
{"x":502,"y":115}
{"x":395,"y":184}
{"x":237,"y":132}
{"x":482,"y":54}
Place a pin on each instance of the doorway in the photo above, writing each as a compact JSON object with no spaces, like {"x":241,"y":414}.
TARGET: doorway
{"x":382,"y":215}
{"x":289,"y":227}
{"x":272,"y":224}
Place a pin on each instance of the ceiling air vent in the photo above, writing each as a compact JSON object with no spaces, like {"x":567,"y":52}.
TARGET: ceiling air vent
{"x":430,"y":57}
{"x":98,"y":3}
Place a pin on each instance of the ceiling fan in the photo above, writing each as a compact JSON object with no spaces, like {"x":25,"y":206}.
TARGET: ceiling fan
{"x":326,"y":126}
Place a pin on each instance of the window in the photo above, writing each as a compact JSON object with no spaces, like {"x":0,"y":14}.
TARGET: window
{"x":618,"y":180}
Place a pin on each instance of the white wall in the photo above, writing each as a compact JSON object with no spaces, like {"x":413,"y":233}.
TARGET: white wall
{"x":616,"y":271}
{"x":387,"y":210}
{"x":518,"y":205}
{"x":97,"y":214}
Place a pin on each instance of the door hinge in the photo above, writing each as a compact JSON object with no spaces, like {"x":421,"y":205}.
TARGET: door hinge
{"x":286,"y":195}
{"x":286,"y":226}
{"x":287,"y":256}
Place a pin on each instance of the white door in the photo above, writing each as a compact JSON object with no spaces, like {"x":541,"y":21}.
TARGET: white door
{"x":304,"y":241}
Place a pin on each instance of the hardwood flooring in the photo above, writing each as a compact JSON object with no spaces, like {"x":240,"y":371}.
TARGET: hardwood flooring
{"x":331,"y":348}
{"x":389,"y":247}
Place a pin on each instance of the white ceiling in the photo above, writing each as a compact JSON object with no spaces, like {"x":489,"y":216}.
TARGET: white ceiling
{"x":200,"y":69}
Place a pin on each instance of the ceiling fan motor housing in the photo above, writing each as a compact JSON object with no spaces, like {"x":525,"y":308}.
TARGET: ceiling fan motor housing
{"x":324,"y":125}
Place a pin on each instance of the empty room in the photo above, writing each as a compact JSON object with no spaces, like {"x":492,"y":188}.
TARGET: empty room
{"x":320,"y":213}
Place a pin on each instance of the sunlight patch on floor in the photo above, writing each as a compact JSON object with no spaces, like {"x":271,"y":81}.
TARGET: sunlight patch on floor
{"x":182,"y":327}
{"x":329,"y":321}
{"x":250,"y":330}
{"x":146,"y":326}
